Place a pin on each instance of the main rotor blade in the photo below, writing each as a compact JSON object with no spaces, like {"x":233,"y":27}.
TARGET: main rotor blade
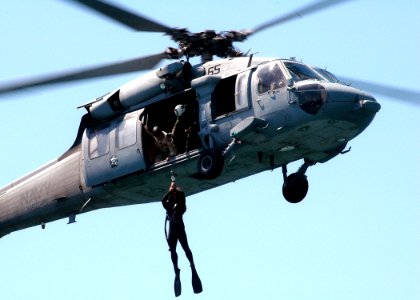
{"x":132,"y":65}
{"x":408,"y":96}
{"x":306,"y":10}
{"x":123,"y":16}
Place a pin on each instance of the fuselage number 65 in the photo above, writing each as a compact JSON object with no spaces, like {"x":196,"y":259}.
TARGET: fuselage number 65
{"x":214,"y":70}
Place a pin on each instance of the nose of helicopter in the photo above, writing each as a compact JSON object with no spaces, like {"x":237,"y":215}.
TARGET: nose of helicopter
{"x":342,"y":101}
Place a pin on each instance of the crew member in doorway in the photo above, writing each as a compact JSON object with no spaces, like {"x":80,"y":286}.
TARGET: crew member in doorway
{"x":174,"y":203}
{"x":179,"y":128}
{"x":185,"y":129}
{"x":164,"y":142}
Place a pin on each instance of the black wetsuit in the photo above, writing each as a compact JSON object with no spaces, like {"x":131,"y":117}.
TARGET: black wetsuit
{"x":174,"y":203}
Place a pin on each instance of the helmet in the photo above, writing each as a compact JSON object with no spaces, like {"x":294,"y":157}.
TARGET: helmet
{"x":179,"y":109}
{"x":156,"y":131}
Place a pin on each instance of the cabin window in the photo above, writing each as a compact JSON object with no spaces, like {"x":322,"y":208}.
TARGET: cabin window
{"x":270,"y":77}
{"x":98,"y":141}
{"x":126,"y":132}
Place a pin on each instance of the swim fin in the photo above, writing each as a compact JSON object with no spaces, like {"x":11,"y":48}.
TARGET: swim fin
{"x":196,"y":282}
{"x":177,"y":283}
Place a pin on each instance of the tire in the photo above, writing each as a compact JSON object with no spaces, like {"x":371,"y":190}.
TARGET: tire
{"x":295,"y":188}
{"x":210,"y":164}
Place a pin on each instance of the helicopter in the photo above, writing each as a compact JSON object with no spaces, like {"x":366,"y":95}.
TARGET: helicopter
{"x":250,"y":115}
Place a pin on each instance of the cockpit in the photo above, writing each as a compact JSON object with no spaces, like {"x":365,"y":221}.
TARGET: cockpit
{"x":310,"y":97}
{"x":270,"y":77}
{"x":327,"y":75}
{"x":307,"y":85}
{"x":300,"y":72}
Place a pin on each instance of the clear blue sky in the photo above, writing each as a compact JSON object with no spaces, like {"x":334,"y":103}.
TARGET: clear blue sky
{"x":355,"y":236}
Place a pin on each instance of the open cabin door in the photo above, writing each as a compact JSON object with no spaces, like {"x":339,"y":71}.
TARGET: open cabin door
{"x":230,"y":103}
{"x":230,"y":96}
{"x":113,"y":149}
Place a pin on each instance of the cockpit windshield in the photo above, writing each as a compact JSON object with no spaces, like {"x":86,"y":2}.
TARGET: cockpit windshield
{"x":328,"y":75}
{"x":301,"y":72}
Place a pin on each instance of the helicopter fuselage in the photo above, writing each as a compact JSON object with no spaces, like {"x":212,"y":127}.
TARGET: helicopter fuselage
{"x":243,"y":116}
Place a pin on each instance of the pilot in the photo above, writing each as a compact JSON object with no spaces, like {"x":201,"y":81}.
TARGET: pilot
{"x":174,"y":203}
{"x":270,"y":78}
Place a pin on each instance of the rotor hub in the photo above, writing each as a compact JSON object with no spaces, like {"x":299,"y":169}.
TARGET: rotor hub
{"x":208,"y":43}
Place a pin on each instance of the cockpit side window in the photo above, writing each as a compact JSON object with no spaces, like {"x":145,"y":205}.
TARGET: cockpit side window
{"x":98,"y":141}
{"x":301,"y":72}
{"x":270,"y":77}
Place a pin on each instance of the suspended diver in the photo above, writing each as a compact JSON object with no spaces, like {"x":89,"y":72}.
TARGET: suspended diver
{"x":174,"y":203}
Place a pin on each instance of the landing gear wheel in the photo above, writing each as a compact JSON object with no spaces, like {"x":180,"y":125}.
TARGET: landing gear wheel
{"x":295,"y":188}
{"x":210,"y":164}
